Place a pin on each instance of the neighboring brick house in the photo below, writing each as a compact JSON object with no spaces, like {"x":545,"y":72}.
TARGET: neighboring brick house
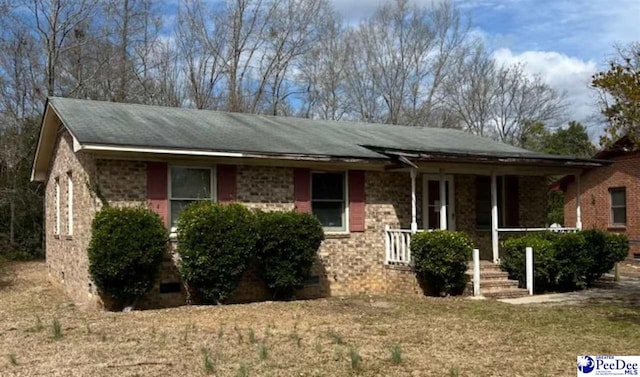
{"x":371,"y":186}
{"x":610,"y":195}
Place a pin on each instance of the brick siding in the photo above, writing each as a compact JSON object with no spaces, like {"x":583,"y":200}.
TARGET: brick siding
{"x":348,"y":263}
{"x":595,"y":201}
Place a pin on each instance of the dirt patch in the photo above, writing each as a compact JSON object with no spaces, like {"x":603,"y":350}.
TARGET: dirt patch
{"x":436,"y":336}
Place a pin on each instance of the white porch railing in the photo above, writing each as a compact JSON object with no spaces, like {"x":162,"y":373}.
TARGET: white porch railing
{"x":555,"y":229}
{"x":397,"y":246}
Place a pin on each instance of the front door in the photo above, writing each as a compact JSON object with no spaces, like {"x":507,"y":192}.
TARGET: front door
{"x":431,"y":201}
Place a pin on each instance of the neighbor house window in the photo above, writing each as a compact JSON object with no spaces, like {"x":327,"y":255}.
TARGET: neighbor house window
{"x":56,"y":229}
{"x":328,"y":200}
{"x":187,"y":185}
{"x":69,"y":204}
{"x":618,"y":206}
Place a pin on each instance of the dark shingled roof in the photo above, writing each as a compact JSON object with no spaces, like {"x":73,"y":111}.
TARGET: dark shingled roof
{"x":119,"y":124}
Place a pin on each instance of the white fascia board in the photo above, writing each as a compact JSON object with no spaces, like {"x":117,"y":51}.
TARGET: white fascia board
{"x":118,"y":148}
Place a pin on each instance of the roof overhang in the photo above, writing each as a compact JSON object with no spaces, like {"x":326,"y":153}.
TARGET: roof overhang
{"x":502,"y":159}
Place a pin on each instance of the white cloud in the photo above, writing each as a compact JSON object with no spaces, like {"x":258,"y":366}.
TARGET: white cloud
{"x":563,"y":73}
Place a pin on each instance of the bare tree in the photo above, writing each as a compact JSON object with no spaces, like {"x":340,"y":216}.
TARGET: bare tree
{"x":201,"y":49}
{"x":322,"y":75}
{"x":293,"y":29}
{"x":245,"y":22}
{"x":400,"y":60}
{"x":520,"y":102}
{"x":55,"y":21}
{"x":469,"y":91}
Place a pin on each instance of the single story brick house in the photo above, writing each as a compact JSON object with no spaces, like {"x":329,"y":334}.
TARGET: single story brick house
{"x":371,"y":185}
{"x":610,"y":194}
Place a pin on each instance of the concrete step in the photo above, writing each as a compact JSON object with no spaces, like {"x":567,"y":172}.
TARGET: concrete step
{"x":505,"y":293}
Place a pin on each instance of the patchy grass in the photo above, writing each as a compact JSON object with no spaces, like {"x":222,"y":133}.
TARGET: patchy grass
{"x":436,"y":336}
{"x":356,"y":359}
{"x":207,"y":362}
{"x":56,"y":329}
{"x":396,"y":354}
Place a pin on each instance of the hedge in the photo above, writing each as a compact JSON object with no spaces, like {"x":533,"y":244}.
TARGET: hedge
{"x":287,"y":247}
{"x":216,"y":243}
{"x":125,"y":251}
{"x":440,"y":258}
{"x":564,"y":261}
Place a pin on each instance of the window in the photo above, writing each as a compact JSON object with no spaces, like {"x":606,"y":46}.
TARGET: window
{"x":188,"y":185}
{"x":69,"y":204}
{"x":618,"y":206}
{"x":56,"y":229}
{"x":508,"y":202}
{"x":483,"y":202}
{"x":328,"y":200}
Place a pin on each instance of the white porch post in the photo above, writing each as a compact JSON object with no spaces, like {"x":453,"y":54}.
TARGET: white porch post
{"x":414,"y":222}
{"x":529,"y":269}
{"x":578,"y":208}
{"x":443,"y":202}
{"x":494,"y":217}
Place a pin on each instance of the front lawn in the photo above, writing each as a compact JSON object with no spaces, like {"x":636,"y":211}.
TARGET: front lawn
{"x":331,"y":337}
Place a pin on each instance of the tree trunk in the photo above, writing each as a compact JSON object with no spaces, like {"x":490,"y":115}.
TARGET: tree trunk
{"x":12,"y":222}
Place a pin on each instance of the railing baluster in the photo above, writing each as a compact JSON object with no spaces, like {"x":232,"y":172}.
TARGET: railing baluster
{"x":398,"y":245}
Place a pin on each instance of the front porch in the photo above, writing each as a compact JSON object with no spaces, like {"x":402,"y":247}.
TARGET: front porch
{"x":487,"y":204}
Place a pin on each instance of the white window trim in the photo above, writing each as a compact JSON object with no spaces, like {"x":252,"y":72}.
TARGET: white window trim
{"x":345,"y":213}
{"x":69,"y":204}
{"x":56,"y":228}
{"x":612,"y":206}
{"x":213,"y":184}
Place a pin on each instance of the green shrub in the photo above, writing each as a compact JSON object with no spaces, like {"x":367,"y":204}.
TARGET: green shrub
{"x":544,"y":263}
{"x":125,"y":251}
{"x":565,"y":261}
{"x":216,"y":243}
{"x":441,"y":258}
{"x":606,"y":250}
{"x":572,"y":260}
{"x":287,"y":247}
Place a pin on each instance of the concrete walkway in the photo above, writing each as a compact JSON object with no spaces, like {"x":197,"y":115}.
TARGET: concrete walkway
{"x":625,"y":292}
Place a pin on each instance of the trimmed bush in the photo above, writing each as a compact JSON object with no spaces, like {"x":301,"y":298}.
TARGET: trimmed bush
{"x":566,"y":261}
{"x":513,"y":250}
{"x":441,"y":258}
{"x":606,"y":250}
{"x":287,"y":247}
{"x":216,"y":243}
{"x":125,"y":251}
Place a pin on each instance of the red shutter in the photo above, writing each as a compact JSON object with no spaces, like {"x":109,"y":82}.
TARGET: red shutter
{"x":356,"y":201}
{"x":226,"y":183}
{"x":157,"y":189}
{"x":302,"y":190}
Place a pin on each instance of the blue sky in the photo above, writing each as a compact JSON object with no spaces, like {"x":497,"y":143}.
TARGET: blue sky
{"x":564,"y":41}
